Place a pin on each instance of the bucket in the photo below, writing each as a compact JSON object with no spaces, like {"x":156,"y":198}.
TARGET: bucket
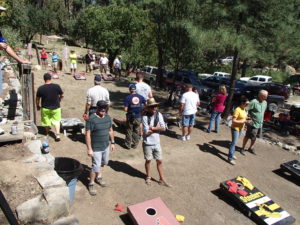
{"x":69,"y":169}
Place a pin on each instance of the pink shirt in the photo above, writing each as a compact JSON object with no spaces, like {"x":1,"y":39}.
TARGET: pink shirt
{"x":219,"y":102}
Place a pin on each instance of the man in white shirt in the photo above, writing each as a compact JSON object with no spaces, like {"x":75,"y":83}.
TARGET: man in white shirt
{"x":188,"y":108}
{"x":117,"y":67}
{"x":103,"y":62}
{"x":94,"y":95}
{"x":142,"y":88}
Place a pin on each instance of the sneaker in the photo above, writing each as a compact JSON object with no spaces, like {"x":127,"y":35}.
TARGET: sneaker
{"x":234,"y":157}
{"x":57,"y":137}
{"x":101,"y":182}
{"x":243,"y":151}
{"x":183,"y":138}
{"x":208,"y":131}
{"x":188,"y":137}
{"x":232,"y":162}
{"x":92,"y":190}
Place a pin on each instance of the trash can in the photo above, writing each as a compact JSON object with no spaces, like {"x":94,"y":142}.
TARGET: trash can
{"x":69,"y":169}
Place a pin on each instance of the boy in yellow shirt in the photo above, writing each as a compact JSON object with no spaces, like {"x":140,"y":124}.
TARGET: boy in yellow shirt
{"x":73,"y":62}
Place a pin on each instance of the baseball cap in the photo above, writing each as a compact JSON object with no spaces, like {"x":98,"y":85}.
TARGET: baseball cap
{"x":132,"y":87}
{"x":97,"y":78}
{"x":2,"y":8}
{"x":102,"y":104}
{"x":47,"y":76}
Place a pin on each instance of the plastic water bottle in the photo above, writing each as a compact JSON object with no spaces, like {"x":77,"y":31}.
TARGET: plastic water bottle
{"x":45,"y":146}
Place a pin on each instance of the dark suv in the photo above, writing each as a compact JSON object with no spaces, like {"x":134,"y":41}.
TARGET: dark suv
{"x":183,"y":77}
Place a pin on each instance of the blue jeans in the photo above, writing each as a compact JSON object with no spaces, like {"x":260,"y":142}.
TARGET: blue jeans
{"x":188,"y":120}
{"x":215,"y":116}
{"x":235,"y":137}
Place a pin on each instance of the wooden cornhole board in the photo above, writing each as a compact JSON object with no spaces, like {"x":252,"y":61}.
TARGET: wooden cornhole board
{"x":259,"y":207}
{"x":292,"y":167}
{"x":152,"y":212}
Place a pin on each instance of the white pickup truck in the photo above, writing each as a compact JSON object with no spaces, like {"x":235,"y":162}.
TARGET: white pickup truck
{"x":150,"y":73}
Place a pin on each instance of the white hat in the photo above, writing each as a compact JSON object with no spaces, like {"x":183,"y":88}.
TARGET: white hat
{"x":2,"y":8}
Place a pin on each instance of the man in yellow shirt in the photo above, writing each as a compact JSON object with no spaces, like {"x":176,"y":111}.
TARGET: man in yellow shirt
{"x":73,"y":62}
{"x":238,"y":122}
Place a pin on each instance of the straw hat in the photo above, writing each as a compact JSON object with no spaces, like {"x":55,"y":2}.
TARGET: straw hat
{"x":151,"y":102}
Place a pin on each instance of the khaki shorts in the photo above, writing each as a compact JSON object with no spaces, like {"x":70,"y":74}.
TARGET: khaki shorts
{"x":100,"y":159}
{"x":252,"y":132}
{"x":152,"y":152}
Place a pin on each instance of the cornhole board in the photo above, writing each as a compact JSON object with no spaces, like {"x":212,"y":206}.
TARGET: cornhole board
{"x":108,"y":77}
{"x":292,"y":167}
{"x":73,"y":124}
{"x":151,"y":212}
{"x":259,"y":207}
{"x":80,"y":76}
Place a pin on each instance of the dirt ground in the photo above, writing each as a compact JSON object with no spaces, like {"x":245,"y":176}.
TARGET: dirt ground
{"x":195,"y":168}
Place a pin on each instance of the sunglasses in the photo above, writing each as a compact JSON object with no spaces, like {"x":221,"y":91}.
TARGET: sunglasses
{"x":153,"y":106}
{"x":102,"y":108}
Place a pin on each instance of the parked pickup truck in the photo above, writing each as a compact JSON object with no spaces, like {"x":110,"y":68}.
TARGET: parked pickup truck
{"x":150,"y":73}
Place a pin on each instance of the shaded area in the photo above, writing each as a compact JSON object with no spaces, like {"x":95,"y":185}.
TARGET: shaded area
{"x":286,"y":176}
{"x":77,"y":137}
{"x":83,"y":178}
{"x":125,"y":168}
{"x":224,"y":197}
{"x":213,"y":150}
{"x":222,"y":143}
{"x":201,"y":125}
{"x":126,"y":219}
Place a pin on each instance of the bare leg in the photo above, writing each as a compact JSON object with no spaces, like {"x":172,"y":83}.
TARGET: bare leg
{"x":190,"y":130}
{"x":147,"y":167}
{"x":160,"y":169}
{"x":184,"y":131}
{"x":47,"y":129}
{"x":245,"y":140}
{"x":251,"y":143}
{"x":92,"y":177}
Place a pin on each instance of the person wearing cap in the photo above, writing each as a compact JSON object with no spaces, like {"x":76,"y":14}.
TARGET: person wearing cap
{"x":95,"y":94}
{"x":153,"y":124}
{"x":5,"y":47}
{"x":50,"y":96}
{"x":133,"y":105}
{"x":239,"y":119}
{"x":188,"y":108}
{"x":98,"y":133}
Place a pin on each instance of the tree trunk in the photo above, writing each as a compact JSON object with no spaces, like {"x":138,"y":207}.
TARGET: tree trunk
{"x":232,"y":82}
{"x":244,"y":67}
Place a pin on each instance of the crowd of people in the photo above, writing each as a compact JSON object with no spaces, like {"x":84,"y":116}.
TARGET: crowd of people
{"x":144,"y":121}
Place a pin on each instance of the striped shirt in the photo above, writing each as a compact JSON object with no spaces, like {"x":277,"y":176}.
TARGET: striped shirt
{"x":99,"y":128}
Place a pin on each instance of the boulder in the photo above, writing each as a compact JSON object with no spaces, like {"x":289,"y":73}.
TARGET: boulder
{"x":50,"y":179}
{"x":70,"y":220}
{"x":34,"y":146}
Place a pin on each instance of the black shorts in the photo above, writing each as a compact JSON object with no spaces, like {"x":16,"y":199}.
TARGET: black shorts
{"x":252,"y":132}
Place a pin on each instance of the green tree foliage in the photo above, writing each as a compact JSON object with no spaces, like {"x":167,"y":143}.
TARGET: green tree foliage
{"x":111,"y":29}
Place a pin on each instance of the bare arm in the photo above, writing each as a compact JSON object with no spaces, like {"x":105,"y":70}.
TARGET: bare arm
{"x":61,"y":97}
{"x":112,"y":139}
{"x":37,"y":102}
{"x":126,"y":108}
{"x":150,"y":95}
{"x":88,"y":143}
{"x":5,"y":47}
{"x":181,"y":106}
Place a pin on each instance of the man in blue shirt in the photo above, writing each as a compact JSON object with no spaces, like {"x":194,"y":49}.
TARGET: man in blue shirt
{"x":133,"y":105}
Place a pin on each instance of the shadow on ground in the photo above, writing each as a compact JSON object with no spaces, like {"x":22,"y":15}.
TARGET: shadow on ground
{"x":125,"y":168}
{"x":286,"y":176}
{"x":213,"y":150}
{"x":222,"y":143}
{"x":126,"y":219}
{"x":83,"y":178}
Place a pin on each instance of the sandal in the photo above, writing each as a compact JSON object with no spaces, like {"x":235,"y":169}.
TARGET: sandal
{"x":148,"y":180}
{"x":164,"y":183}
